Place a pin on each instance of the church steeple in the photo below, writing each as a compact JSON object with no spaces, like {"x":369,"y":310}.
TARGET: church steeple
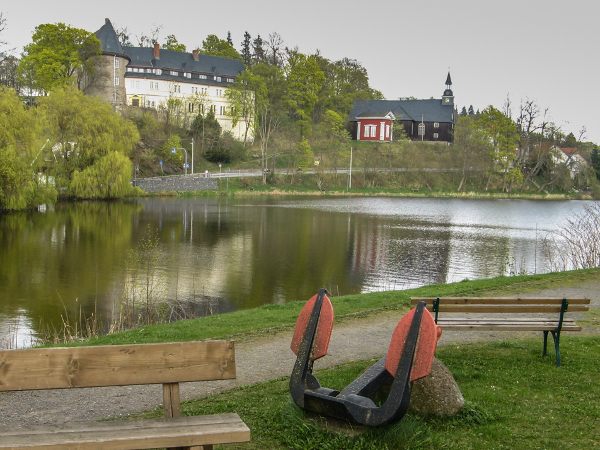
{"x":448,"y":97}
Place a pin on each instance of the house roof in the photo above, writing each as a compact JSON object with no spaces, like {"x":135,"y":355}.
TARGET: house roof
{"x":377,"y":115}
{"x":143,"y":57}
{"x":181,"y":61}
{"x":431,"y":110}
{"x":110,"y":43}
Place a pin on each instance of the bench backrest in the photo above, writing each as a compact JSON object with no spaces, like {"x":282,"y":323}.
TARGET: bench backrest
{"x":116,"y":365}
{"x":502,"y":304}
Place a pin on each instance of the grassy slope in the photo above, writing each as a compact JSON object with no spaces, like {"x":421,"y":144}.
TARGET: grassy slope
{"x":515,"y":399}
{"x":271,"y":318}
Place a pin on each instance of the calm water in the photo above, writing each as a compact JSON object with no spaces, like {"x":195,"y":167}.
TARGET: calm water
{"x":222,"y":254}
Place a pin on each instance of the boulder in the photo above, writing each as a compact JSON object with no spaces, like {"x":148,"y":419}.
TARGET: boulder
{"x":436,"y":393}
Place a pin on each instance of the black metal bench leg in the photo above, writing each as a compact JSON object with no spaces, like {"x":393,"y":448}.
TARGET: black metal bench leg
{"x":556,"y":337}
{"x":545,"y":343}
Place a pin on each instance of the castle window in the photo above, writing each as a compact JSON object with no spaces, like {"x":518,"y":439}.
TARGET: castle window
{"x":190,"y":107}
{"x":116,"y":81}
{"x":117,"y":63}
{"x":218,"y":78}
{"x":175,"y":74}
{"x":435,"y":135}
{"x":187,"y":75}
{"x":436,"y":125}
{"x":202,"y":77}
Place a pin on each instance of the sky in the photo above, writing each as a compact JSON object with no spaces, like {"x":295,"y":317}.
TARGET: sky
{"x":541,"y":50}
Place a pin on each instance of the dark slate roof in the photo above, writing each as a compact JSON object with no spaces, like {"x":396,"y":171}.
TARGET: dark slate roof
{"x":432,"y":110}
{"x":110,"y":43}
{"x":449,"y":80}
{"x":143,"y":57}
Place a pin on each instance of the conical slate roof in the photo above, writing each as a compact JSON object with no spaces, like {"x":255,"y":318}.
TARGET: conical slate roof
{"x":110,"y":43}
{"x":448,"y":80}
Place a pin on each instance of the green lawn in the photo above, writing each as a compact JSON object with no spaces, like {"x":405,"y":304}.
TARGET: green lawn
{"x":515,"y":399}
{"x":266,"y":319}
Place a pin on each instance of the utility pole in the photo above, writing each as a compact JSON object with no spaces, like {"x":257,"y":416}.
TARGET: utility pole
{"x":350,"y":178}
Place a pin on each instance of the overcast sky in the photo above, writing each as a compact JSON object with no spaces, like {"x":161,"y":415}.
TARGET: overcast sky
{"x":544,"y":50}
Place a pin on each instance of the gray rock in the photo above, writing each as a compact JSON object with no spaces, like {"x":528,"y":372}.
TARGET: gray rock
{"x":437,"y":393}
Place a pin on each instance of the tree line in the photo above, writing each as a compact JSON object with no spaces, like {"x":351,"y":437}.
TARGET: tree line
{"x":296,"y":107}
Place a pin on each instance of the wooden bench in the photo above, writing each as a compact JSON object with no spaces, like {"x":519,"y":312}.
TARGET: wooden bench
{"x":506,"y":314}
{"x":124,"y":365}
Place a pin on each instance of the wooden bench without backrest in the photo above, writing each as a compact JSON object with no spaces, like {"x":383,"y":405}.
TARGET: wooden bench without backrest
{"x":124,"y":365}
{"x":507,"y":314}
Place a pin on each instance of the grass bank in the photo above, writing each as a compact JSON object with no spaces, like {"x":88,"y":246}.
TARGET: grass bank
{"x":318,"y":184}
{"x":267,"y":319}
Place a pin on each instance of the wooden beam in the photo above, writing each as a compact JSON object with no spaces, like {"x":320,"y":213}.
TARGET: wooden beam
{"x":118,"y":365}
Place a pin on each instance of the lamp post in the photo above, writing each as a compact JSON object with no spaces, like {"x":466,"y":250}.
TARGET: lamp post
{"x":174,"y":150}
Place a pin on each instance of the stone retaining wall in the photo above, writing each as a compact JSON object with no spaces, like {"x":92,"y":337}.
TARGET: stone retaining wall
{"x":179,"y":183}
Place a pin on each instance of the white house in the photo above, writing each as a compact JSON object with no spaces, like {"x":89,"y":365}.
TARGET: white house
{"x":149,"y":77}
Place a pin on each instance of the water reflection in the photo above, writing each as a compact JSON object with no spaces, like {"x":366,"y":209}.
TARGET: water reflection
{"x":221,"y":254}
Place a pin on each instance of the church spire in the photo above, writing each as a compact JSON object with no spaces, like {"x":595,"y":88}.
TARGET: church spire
{"x":448,"y":97}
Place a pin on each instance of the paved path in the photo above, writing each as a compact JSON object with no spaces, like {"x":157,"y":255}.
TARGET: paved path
{"x":259,"y":359}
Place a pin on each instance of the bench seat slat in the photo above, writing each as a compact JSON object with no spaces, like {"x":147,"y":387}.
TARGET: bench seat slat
{"x":505,"y":308}
{"x":123,"y":435}
{"x":501,"y":300}
{"x":505,"y":325}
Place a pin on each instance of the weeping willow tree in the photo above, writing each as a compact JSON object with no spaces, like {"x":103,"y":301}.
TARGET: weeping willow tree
{"x":20,"y":146}
{"x":83,"y":130}
{"x":109,"y":177}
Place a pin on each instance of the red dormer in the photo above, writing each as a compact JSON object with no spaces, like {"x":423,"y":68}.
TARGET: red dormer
{"x":375,"y":126}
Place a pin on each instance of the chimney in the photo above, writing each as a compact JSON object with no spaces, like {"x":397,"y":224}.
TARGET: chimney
{"x":195,"y":53}
{"x":157,"y":51}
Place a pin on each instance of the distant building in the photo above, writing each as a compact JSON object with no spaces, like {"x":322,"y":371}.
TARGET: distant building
{"x":148,"y":77}
{"x":426,"y":120}
{"x":375,"y":126}
{"x":570,"y":157}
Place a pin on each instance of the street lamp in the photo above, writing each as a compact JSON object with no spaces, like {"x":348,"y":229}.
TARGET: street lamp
{"x":174,"y":150}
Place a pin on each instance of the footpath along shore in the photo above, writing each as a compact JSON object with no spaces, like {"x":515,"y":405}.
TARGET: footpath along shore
{"x":258,"y":359}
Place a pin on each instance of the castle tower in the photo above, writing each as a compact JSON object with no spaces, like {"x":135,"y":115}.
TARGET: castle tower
{"x":108,"y":79}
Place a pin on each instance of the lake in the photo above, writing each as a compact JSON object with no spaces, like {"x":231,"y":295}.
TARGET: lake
{"x":221,"y":254}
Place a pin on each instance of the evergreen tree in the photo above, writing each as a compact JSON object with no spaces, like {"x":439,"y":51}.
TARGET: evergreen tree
{"x":246,"y":53}
{"x":258,"y":53}
{"x":471,"y":111}
{"x":463,"y":112}
{"x":595,"y":160}
{"x":229,"y":41}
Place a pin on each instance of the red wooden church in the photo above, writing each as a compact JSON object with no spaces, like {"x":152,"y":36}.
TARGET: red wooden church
{"x":375,"y":126}
{"x":423,"y":120}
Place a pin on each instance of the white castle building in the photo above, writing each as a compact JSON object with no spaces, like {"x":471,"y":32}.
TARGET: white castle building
{"x":149,"y":77}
